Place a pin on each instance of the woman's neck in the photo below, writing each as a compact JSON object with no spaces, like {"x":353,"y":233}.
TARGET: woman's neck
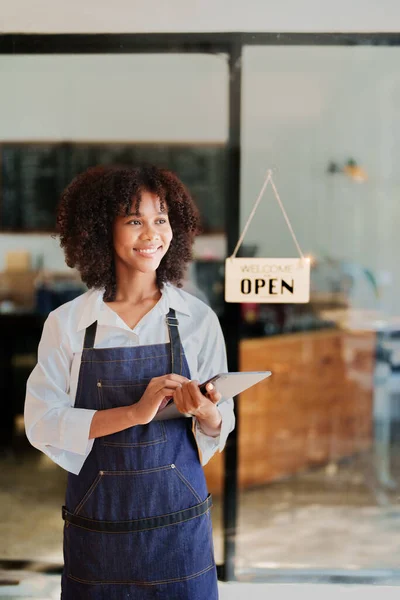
{"x":137,"y":288}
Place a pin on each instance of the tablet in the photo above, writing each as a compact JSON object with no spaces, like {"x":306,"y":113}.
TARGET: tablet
{"x":228,"y":385}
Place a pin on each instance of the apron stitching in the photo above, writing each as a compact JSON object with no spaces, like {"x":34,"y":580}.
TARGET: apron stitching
{"x":122,"y":385}
{"x":137,"y":445}
{"x":140,"y":530}
{"x":207,"y":500}
{"x":172,"y":356}
{"x":122,"y":359}
{"x":186,"y":482}
{"x":162,"y":581}
{"x":88,"y":493}
{"x":141,"y":472}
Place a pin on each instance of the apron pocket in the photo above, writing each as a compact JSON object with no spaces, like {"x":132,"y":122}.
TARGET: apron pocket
{"x":115,"y":393}
{"x":133,"y":495}
{"x":173,"y":548}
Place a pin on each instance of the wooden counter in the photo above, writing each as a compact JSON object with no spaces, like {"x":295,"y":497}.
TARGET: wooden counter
{"x":315,"y":408}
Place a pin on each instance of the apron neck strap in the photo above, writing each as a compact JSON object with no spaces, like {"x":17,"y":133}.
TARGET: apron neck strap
{"x":90,"y":336}
{"x":174,"y":337}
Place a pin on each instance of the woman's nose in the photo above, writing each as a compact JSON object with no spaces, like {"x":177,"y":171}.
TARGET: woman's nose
{"x":150,"y":233}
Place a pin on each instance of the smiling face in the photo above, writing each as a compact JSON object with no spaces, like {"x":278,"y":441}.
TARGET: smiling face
{"x":141,"y":239}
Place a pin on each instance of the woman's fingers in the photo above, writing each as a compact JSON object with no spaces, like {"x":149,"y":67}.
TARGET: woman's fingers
{"x":194,"y":392}
{"x":212,"y":393}
{"x":186,"y":394}
{"x":179,"y":400}
{"x":193,"y":398}
{"x":178,"y":378}
{"x":183,"y":398}
{"x":166,"y":383}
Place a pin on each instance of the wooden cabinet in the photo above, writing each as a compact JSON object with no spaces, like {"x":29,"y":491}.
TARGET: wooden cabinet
{"x":315,"y":408}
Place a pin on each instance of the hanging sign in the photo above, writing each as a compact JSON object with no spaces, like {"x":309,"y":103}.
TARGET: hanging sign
{"x":263,"y":280}
{"x":280,"y":280}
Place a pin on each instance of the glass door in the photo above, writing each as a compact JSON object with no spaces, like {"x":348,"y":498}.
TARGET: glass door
{"x":319,"y":441}
{"x":63,"y":113}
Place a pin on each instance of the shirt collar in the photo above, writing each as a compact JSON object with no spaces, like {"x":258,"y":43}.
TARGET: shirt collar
{"x":93,"y":306}
{"x":175,"y":299}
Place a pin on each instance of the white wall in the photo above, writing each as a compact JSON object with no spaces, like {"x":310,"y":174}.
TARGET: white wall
{"x":114,"y":97}
{"x":56,"y":16}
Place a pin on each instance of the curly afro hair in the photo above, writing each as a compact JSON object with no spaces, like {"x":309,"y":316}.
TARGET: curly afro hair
{"x":92,"y":201}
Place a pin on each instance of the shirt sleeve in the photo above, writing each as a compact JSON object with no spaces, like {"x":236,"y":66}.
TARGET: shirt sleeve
{"x":211,"y":361}
{"x":52,"y":424}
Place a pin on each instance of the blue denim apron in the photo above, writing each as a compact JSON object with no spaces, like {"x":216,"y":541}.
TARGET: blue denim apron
{"x":137,"y":517}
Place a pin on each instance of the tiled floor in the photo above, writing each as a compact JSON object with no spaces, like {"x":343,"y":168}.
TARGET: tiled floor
{"x":324,"y":519}
{"x":328,"y":519}
{"x":48,"y":588}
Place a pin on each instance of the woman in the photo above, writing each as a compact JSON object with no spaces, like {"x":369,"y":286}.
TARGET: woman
{"x":137,"y":511}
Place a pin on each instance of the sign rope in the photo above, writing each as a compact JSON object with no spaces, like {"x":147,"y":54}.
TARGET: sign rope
{"x":268,"y":179}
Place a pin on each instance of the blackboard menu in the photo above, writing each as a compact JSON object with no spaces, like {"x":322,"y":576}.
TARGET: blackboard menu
{"x":33,"y":176}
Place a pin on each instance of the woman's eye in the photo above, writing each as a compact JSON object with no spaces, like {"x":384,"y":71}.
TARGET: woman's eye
{"x":136,"y":222}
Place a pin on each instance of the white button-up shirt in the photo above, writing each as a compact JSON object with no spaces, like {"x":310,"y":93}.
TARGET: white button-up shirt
{"x":55,"y":426}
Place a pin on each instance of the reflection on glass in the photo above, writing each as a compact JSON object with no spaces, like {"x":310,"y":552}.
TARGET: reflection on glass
{"x":319,"y":446}
{"x":34,"y":176}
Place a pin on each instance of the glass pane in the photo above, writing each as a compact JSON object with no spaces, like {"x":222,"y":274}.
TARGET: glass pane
{"x":319,"y":441}
{"x":62,"y":114}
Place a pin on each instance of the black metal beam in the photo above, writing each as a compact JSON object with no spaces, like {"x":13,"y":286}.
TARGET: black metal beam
{"x":128,"y":43}
{"x":113,"y":43}
{"x":231,"y":320}
{"x":320,"y":39}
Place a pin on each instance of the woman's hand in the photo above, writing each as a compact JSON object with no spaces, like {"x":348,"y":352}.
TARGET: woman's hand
{"x":189,"y":399}
{"x":158,"y":389}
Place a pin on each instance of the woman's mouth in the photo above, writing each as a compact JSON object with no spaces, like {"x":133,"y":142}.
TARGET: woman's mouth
{"x":147,"y":252}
